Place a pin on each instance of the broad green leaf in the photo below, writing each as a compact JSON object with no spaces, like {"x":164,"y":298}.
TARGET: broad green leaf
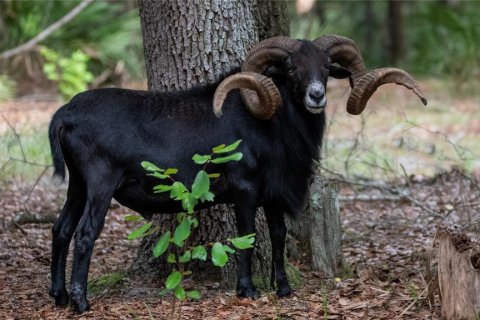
{"x":200,"y":253}
{"x":182,"y":232}
{"x":132,"y":217}
{"x":198,"y":159}
{"x":228,"y":148}
{"x":139,"y":231}
{"x":170,"y":171}
{"x":173,"y":280}
{"x":187,"y":256}
{"x":162,"y":245}
{"x":151,"y":167}
{"x":178,"y":191}
{"x":162,"y":188}
{"x":213,"y":175}
{"x":219,"y":256}
{"x":233,"y":157}
{"x":189,"y":202}
{"x":194,"y":295}
{"x":201,"y":184}
{"x":228,"y":249}
{"x":244,"y":242}
{"x":180,"y":293}
{"x":157,"y":175}
{"x":171,"y":258}
{"x":207,"y":196}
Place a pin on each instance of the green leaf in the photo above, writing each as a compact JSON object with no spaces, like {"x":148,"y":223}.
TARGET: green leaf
{"x":186,"y":256}
{"x":193,"y":221}
{"x":201,"y":184}
{"x":189,"y":202}
{"x":170,"y":171}
{"x":228,"y":249}
{"x":151,"y":167}
{"x":182,"y":232}
{"x":171,"y":258}
{"x":213,"y":175}
{"x":200,"y":253}
{"x":158,"y":175}
{"x":178,"y":191}
{"x":173,"y":280}
{"x":180,"y":216}
{"x":207,"y":196}
{"x":180,"y":293}
{"x":162,"y":245}
{"x":233,"y":157}
{"x":194,"y":295}
{"x":198,"y":159}
{"x":228,"y":148}
{"x":164,"y":292}
{"x":244,"y":242}
{"x":219,"y":256}
{"x":162,"y":188}
{"x":139,"y":231}
{"x":132,"y":217}
{"x":218,"y":148}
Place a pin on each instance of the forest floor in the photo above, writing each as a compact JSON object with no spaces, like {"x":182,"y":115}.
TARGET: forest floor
{"x":389,"y":242}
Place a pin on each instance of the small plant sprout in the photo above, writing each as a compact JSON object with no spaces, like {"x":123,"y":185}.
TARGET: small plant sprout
{"x":179,"y":238}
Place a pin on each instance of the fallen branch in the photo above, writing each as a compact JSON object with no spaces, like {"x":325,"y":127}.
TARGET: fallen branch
{"x":29,"y":45}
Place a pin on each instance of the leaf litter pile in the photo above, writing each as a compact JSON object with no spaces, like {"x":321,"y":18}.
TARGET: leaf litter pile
{"x":388,"y":248}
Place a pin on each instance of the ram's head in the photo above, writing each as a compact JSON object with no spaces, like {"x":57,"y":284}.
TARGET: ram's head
{"x":306,"y":65}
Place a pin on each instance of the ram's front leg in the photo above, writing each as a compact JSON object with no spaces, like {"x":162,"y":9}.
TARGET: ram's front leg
{"x":278,"y":233}
{"x":245,"y":215}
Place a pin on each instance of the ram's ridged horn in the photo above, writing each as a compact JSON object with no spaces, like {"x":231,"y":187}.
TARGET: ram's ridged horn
{"x":345,"y":52}
{"x":264,"y":100}
{"x":366,"y":86}
{"x":259,"y":58}
{"x":268,"y":52}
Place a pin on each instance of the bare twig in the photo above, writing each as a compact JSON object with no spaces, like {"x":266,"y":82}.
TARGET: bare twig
{"x":29,"y":45}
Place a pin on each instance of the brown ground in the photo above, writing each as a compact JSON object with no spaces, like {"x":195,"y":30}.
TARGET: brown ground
{"x":387,"y":245}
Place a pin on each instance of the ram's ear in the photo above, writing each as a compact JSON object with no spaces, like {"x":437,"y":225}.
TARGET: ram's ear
{"x":338,"y":72}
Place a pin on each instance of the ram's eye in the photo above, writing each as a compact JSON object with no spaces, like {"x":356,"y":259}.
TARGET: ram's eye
{"x":291,"y":69}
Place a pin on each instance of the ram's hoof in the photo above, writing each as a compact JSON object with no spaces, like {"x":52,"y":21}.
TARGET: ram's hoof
{"x":61,"y":299}
{"x":247,"y":292}
{"x":81,"y":306}
{"x":284,"y":291}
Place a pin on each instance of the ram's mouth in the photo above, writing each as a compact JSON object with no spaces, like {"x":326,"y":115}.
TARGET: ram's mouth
{"x":315,"y":106}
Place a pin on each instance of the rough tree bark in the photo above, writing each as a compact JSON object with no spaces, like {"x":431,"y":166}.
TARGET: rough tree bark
{"x":193,"y":42}
{"x":458,"y":276}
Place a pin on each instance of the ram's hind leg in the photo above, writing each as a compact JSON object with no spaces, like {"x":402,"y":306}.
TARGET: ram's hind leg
{"x":278,"y":232}
{"x":99,"y":195}
{"x":62,"y":232}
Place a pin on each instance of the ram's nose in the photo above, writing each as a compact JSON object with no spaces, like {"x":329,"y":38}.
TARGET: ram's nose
{"x":316,"y":94}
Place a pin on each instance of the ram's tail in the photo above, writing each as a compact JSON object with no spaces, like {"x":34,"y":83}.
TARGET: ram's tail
{"x":56,"y":149}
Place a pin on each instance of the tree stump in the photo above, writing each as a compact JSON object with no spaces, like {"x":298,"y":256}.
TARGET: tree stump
{"x":458,"y":276}
{"x":318,"y":229}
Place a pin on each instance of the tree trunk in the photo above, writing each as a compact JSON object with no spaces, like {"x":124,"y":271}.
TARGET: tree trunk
{"x":187,"y":43}
{"x":396,"y":31}
{"x":458,"y":276}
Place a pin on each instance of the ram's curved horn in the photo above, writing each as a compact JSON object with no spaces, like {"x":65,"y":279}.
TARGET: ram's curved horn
{"x":366,"y":86}
{"x":345,"y":52}
{"x":262,"y":55}
{"x":264,"y":100}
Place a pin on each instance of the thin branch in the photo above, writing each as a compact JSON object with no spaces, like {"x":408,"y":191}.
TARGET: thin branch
{"x":29,"y":45}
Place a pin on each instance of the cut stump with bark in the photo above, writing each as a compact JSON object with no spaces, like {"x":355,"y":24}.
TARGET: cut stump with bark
{"x":318,"y":229}
{"x":459,"y":276}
